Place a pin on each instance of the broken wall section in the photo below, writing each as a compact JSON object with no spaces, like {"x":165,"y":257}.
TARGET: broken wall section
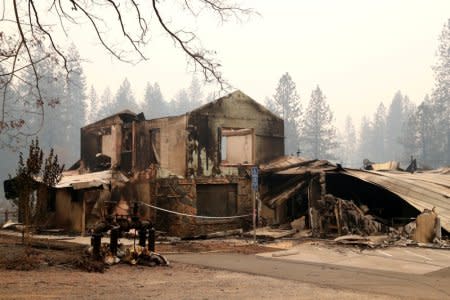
{"x":200,"y":197}
{"x":228,"y":116}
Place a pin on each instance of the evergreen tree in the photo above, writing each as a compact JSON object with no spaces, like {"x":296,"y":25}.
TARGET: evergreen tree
{"x":394,"y":122}
{"x":187,"y":99}
{"x":427,"y":135}
{"x":10,"y":139}
{"x":286,"y":104}
{"x":195,"y":94}
{"x":365,"y":138}
{"x":319,"y":133}
{"x":91,"y":106}
{"x":52,"y":126}
{"x":154,"y":105}
{"x":378,"y":134}
{"x":410,"y":132}
{"x":441,"y":98}
{"x":348,"y":145}
{"x":180,"y":104}
{"x":124,"y":99}
{"x":105,"y":107}
{"x":14,"y":117}
{"x":73,"y":108}
{"x":57,"y":116}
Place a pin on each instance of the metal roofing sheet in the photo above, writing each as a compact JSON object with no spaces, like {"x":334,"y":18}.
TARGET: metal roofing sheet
{"x":282,"y":162}
{"x":82,"y":181}
{"x":421,"y":190}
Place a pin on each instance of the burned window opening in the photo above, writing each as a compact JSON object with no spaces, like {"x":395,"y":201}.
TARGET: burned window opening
{"x":223,"y":148}
{"x":236,"y":145}
{"x":127,"y":140}
{"x":126,"y":156}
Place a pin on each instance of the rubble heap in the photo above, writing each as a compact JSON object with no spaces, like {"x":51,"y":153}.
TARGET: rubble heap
{"x":345,"y":217}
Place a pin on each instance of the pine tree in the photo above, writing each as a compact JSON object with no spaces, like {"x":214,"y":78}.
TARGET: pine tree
{"x":187,"y":99}
{"x":14,"y":117}
{"x":378,"y":138}
{"x":364,"y":141}
{"x":195,"y":94}
{"x":73,"y":108}
{"x":105,"y":107}
{"x":180,"y":103}
{"x":154,"y":105}
{"x":91,"y":106}
{"x":410,"y":133}
{"x":394,"y":122}
{"x":52,"y":126}
{"x":426,"y":130}
{"x":441,"y":97}
{"x":10,"y":141}
{"x":124,"y":99}
{"x":319,"y":133}
{"x":286,"y":104}
{"x":349,"y":143}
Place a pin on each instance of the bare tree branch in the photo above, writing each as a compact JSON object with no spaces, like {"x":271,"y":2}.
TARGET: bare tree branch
{"x":33,"y":41}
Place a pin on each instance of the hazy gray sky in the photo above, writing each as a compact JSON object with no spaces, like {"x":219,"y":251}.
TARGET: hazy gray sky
{"x":360,"y":52}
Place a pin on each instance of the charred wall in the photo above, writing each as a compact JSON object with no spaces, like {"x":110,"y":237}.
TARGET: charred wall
{"x":142,"y":146}
{"x":170,"y":137}
{"x":236,"y":111}
{"x":101,"y":137}
{"x":68,"y":213}
{"x":182,"y":195}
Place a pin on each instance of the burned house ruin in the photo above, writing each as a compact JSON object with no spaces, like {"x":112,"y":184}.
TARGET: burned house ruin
{"x":195,"y":164}
{"x":190,"y":175}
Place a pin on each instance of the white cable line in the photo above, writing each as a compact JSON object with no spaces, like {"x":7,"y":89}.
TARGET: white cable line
{"x":199,"y":217}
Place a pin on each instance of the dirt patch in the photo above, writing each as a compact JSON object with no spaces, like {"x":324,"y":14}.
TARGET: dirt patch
{"x":180,"y":281}
{"x":241,"y":247}
{"x":38,"y":254}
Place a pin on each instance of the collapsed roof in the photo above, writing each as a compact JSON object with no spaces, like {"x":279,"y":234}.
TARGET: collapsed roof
{"x":77,"y":181}
{"x":421,"y":190}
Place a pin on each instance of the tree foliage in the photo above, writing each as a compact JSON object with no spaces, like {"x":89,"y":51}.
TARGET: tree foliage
{"x":441,"y":97}
{"x":124,"y":99}
{"x":378,"y":135}
{"x":364,"y":140}
{"x":188,"y":99}
{"x":154,"y":105}
{"x":319,"y":133}
{"x":394,"y":121}
{"x":105,"y":105}
{"x":348,"y":144}
{"x":286,"y":104}
{"x":35,"y":168}
{"x":91,"y":106}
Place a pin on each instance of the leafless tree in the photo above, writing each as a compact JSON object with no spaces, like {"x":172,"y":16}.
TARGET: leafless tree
{"x":29,"y":37}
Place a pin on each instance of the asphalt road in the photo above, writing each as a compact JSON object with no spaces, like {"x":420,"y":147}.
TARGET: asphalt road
{"x":434,"y":285}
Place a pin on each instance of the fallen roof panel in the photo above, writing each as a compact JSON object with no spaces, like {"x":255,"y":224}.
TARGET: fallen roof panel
{"x":281,"y":163}
{"x":423,"y":191}
{"x":293,"y":165}
{"x":88,"y":180}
